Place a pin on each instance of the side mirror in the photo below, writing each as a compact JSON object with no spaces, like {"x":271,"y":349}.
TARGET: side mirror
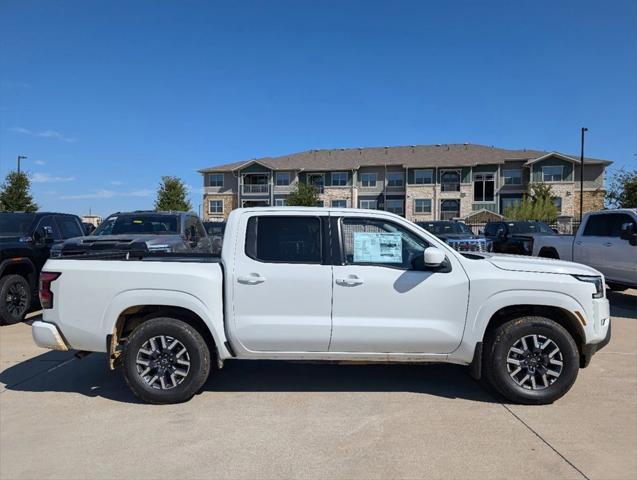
{"x":434,"y":257}
{"x":627,"y":231}
{"x":47,"y":234}
{"x":501,"y":234}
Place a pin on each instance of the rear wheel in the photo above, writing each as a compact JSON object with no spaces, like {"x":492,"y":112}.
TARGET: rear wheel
{"x":531,"y":360}
{"x":166,"y":361}
{"x":15,"y":299}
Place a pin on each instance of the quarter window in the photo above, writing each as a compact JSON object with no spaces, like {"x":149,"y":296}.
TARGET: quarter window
{"x":368,"y":179}
{"x":339,"y":179}
{"x":215,"y":206}
{"x":422,"y":205}
{"x":282,"y":179}
{"x":395,"y":179}
{"x":423,"y":177}
{"x":215,"y":180}
{"x":378,"y":242}
{"x":276,"y":239}
{"x":512,"y":177}
{"x":552,"y":174}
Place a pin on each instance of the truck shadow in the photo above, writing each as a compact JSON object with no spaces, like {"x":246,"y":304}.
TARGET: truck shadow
{"x":623,"y":304}
{"x":62,"y":373}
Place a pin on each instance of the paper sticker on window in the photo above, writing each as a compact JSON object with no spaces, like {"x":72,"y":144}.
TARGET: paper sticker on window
{"x":378,"y":247}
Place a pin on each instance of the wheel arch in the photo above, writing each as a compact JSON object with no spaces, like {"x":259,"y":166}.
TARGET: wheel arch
{"x":19,"y":266}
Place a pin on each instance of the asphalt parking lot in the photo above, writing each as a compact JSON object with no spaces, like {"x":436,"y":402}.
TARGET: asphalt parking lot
{"x":61,"y":417}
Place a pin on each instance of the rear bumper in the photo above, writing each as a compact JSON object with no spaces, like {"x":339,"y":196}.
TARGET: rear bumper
{"x":47,"y":335}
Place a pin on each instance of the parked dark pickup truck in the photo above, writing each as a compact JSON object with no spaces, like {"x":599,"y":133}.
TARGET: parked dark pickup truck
{"x":152,"y":231}
{"x":458,"y":235}
{"x":516,"y":236}
{"x":25,"y":243}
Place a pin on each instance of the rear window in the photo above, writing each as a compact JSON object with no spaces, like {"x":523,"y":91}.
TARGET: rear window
{"x":280,"y":239}
{"x":139,"y":225}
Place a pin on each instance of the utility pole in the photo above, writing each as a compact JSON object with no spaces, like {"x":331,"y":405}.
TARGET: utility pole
{"x":20,"y":157}
{"x":581,"y":177}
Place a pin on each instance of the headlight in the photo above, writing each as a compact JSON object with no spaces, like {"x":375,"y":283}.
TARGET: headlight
{"x":597,"y":281}
{"x":159,"y":248}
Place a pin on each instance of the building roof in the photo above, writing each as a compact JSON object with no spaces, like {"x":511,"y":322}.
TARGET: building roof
{"x":442,"y":155}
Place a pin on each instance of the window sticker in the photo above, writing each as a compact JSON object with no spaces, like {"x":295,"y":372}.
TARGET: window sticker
{"x":378,"y":247}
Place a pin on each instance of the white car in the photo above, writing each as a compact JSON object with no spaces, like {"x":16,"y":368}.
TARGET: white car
{"x":605,"y":240}
{"x":327,"y":284}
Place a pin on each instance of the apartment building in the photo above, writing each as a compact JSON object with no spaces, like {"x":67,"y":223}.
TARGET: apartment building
{"x":419,"y":182}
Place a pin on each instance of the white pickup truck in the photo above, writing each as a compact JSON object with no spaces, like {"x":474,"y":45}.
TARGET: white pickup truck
{"x":327,"y":285}
{"x":605,"y":240}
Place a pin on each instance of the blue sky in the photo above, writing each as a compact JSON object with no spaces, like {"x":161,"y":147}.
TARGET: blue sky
{"x":104,"y":97}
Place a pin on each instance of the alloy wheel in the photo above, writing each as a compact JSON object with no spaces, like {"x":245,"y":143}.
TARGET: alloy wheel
{"x":16,"y":299}
{"x":535,"y":362}
{"x":163,"y":362}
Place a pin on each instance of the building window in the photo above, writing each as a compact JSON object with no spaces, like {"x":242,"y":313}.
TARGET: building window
{"x":282,"y":179}
{"x":449,"y":209}
{"x":395,"y":179}
{"x":557,"y":201}
{"x":280,"y":202}
{"x":394,"y":206}
{"x":339,"y":179}
{"x":512,"y":177}
{"x":339,"y":203}
{"x":507,"y":203}
{"x":553,"y":173}
{"x":368,"y":180}
{"x":423,"y":177}
{"x":316,"y":179}
{"x":369,"y":204}
{"x":215,"y":206}
{"x":483,"y":187}
{"x":450,"y":181}
{"x":422,"y":205}
{"x":215,"y":180}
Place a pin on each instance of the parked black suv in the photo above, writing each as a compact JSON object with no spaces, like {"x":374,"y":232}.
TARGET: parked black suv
{"x":515,"y":236}
{"x":25,"y":243}
{"x":149,"y":230}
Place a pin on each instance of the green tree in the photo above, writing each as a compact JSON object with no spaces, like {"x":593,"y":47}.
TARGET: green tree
{"x":172,"y":195}
{"x":305,"y":195}
{"x":538,"y":205}
{"x":15,"y":193}
{"x":622,"y":191}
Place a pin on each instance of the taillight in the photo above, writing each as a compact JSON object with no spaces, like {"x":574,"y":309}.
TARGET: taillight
{"x":46,"y":295}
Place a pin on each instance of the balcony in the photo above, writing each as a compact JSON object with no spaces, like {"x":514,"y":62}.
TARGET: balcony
{"x":255,"y":189}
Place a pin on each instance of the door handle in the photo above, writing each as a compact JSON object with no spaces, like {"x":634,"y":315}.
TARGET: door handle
{"x":252,"y":279}
{"x":608,"y":244}
{"x":350,"y":281}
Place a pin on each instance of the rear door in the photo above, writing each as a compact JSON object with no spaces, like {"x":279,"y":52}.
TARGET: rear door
{"x":385,"y":302}
{"x":282,"y":283}
{"x":590,"y":247}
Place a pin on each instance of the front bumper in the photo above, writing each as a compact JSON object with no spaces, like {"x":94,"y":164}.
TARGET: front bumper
{"x":47,"y":335}
{"x":591,"y":349}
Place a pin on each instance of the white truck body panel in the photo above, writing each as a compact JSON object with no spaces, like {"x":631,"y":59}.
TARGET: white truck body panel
{"x":304,"y":312}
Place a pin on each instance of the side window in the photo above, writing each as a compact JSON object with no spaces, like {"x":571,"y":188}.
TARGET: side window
{"x":48,"y":221}
{"x":379,"y":242}
{"x":491,"y":229}
{"x":616,"y":222}
{"x":598,"y":226}
{"x":69,"y":227}
{"x":284,"y":239}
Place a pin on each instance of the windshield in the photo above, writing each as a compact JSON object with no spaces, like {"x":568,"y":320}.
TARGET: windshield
{"x":445,"y":228}
{"x":529,"y":227}
{"x":15,"y":224}
{"x":139,"y":225}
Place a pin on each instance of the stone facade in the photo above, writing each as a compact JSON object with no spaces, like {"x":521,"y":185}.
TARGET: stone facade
{"x":565,"y":192}
{"x":338,"y":193}
{"x":229,"y":203}
{"x":593,"y":201}
{"x":419,"y":191}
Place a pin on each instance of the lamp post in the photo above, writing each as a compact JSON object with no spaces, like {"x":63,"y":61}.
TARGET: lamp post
{"x":581,"y":177}
{"x":20,"y":157}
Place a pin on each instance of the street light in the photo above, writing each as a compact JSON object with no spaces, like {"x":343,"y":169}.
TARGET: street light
{"x":581,"y":177}
{"x":21,"y":157}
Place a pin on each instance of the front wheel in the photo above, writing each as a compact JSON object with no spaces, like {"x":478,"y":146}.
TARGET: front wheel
{"x":166,"y":361}
{"x":531,"y":360}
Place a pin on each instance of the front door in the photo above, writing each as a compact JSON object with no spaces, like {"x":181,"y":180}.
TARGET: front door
{"x":281,"y":287}
{"x":384,"y":302}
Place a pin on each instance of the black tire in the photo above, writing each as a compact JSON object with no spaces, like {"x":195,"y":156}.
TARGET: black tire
{"x":498,"y":354}
{"x":15,"y":299}
{"x":197,"y":355}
